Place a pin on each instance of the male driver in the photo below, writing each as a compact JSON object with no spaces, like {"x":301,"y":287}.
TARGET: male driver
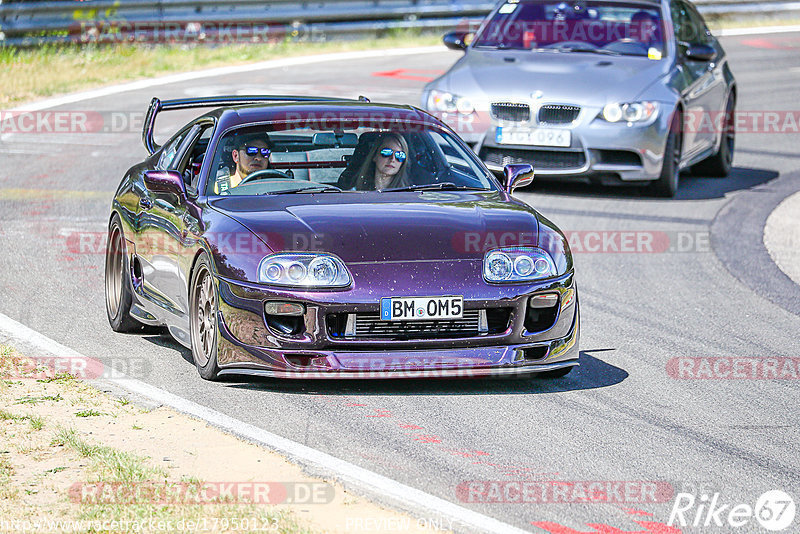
{"x":250,"y":154}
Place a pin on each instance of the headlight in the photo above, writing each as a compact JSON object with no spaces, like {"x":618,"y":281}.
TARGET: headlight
{"x":303,"y":270}
{"x":630,"y":112}
{"x":517,"y":264}
{"x":450,"y":103}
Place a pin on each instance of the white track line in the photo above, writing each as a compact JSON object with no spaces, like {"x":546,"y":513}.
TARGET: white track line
{"x":220,"y":71}
{"x":15,"y":333}
{"x":733,"y":32}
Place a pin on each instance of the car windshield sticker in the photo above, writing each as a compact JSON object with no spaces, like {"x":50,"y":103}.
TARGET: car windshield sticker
{"x":654,"y":53}
{"x":508,"y":8}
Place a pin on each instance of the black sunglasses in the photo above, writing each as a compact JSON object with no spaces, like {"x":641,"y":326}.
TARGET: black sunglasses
{"x":254,"y":150}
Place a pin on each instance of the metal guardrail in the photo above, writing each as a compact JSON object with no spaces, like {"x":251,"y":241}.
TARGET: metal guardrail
{"x":29,"y":23}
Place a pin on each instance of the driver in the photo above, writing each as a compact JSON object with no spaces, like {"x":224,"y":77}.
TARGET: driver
{"x":250,"y":153}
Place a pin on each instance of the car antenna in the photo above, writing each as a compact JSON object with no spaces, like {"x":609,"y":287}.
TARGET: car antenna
{"x":362,"y":98}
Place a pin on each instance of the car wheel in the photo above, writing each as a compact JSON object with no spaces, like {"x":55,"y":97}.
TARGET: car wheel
{"x":667,"y":183}
{"x":203,"y":324}
{"x":119,"y":296}
{"x":557,"y":373}
{"x":719,"y":165}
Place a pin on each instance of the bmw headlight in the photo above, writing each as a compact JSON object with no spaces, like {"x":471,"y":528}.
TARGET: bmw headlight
{"x":518,"y":264}
{"x":303,"y":270}
{"x":449,"y":103}
{"x":630,"y":111}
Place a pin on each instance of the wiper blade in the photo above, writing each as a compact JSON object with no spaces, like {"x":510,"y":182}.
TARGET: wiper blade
{"x":320,"y":189}
{"x":441,"y":186}
{"x":590,"y":51}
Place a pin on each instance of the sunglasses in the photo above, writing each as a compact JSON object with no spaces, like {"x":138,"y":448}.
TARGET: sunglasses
{"x":254,"y":150}
{"x":399,"y":155}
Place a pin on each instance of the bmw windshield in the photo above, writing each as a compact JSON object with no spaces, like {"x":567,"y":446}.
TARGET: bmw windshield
{"x":613,"y":28}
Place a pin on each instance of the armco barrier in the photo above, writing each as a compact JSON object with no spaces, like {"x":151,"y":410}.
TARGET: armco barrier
{"x":34,"y":22}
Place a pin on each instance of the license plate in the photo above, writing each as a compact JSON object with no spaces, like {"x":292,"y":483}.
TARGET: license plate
{"x":421,"y":308}
{"x":536,"y":137}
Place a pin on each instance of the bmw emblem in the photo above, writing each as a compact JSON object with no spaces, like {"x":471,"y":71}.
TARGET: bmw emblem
{"x":536,"y":95}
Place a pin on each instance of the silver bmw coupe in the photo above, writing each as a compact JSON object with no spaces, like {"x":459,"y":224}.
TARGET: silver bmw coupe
{"x":613,"y":92}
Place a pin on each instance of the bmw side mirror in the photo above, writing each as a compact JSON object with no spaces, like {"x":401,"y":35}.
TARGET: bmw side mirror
{"x":517,"y":175}
{"x":700,"y":52}
{"x":456,"y":40}
{"x":165,"y":182}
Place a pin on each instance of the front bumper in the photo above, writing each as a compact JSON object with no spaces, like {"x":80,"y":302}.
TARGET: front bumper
{"x":599,"y":150}
{"x":246,"y":345}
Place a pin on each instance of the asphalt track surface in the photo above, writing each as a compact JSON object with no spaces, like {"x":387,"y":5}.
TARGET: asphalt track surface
{"x":621,"y":416}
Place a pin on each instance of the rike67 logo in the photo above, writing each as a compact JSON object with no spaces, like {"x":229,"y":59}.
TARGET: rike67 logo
{"x":774,"y":510}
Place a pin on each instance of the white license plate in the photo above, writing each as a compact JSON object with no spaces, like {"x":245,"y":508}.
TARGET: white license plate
{"x":537,"y":137}
{"x":421,"y":308}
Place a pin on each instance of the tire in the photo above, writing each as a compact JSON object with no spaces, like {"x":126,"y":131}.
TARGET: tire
{"x":203,"y":323}
{"x":667,"y":183}
{"x":557,"y":373}
{"x":719,"y":165}
{"x":118,"y":290}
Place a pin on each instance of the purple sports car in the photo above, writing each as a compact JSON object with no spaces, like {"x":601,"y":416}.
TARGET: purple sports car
{"x":310,"y":237}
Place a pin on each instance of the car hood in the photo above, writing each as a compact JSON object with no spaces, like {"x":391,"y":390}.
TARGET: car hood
{"x":579,"y":78}
{"x":392,"y":227}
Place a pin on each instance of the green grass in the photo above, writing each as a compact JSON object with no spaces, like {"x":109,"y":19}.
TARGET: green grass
{"x":88,"y":413}
{"x":27,"y":399}
{"x":36,"y":422}
{"x":29,"y":74}
{"x":108,"y":464}
{"x":59,"y":377}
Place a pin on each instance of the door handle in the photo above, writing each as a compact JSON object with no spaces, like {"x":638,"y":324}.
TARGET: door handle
{"x":145,"y":203}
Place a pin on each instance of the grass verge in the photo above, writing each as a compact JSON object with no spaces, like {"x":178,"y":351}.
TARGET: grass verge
{"x":30,"y":74}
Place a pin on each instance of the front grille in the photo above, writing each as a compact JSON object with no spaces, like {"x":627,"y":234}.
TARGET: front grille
{"x":558,"y":114}
{"x":370,"y":326}
{"x":540,"y":159}
{"x":510,"y":112}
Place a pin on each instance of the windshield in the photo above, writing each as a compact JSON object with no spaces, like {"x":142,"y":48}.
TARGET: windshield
{"x":274,"y":158}
{"x":612,"y":28}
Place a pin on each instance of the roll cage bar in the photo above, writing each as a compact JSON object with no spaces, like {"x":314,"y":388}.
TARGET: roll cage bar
{"x":157,"y":106}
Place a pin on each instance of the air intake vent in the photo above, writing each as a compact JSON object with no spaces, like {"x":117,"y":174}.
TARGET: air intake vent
{"x":510,"y":112}
{"x":558,"y":114}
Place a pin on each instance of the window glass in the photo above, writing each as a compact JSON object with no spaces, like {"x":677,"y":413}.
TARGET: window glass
{"x":169,"y":151}
{"x":578,"y":26}
{"x":282,"y":158}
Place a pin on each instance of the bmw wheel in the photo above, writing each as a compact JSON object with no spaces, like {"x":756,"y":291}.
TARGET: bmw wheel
{"x":667,"y":183}
{"x":720,"y":164}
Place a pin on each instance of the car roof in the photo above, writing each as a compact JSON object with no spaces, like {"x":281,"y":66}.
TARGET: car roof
{"x":317,"y":112}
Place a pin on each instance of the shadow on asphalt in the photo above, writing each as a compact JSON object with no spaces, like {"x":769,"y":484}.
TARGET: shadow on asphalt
{"x":592,"y":373}
{"x":689,"y":188}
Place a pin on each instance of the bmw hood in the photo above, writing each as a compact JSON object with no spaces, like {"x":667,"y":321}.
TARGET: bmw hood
{"x":396,"y":227}
{"x":573,"y":77}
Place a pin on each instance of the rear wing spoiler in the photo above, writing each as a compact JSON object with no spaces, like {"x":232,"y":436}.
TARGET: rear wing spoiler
{"x":157,"y":106}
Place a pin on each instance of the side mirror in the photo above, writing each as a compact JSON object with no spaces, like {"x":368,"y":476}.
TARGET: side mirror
{"x":517,"y":175}
{"x":700,"y":52}
{"x":456,"y":40}
{"x":165,"y":182}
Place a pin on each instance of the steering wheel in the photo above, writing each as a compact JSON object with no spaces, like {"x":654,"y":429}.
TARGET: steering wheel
{"x":266,"y":174}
